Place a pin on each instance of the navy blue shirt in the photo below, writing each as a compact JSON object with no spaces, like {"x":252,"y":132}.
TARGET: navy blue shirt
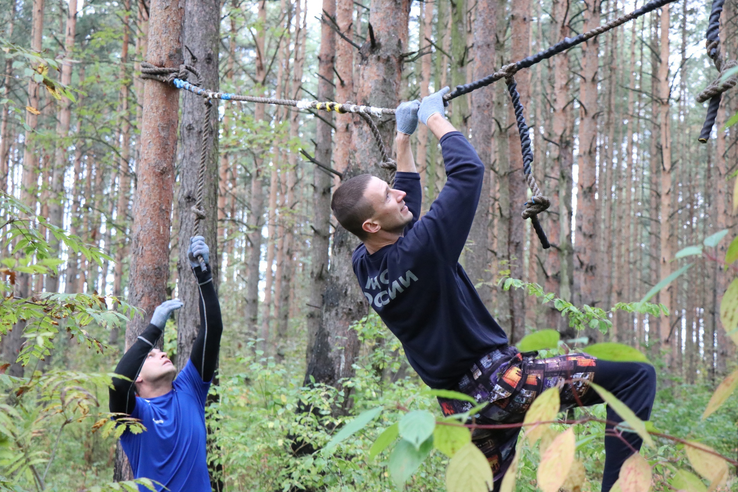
{"x":417,"y":285}
{"x":172,"y":448}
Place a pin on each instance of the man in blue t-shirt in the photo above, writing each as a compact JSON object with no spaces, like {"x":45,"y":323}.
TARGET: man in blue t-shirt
{"x":172,"y":449}
{"x":410,"y":274}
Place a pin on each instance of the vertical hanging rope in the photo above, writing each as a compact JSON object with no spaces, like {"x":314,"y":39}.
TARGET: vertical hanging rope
{"x":714,"y":91}
{"x":387,"y":162}
{"x":538,"y":203}
{"x":197,"y":209}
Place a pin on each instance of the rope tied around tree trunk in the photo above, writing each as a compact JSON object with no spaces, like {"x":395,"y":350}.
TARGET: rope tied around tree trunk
{"x":169,"y":76}
{"x":538,"y":203}
{"x":714,"y":91}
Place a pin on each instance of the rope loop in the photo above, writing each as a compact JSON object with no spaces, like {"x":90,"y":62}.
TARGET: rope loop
{"x":535,"y":206}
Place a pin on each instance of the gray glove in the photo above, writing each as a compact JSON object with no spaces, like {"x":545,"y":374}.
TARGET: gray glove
{"x":406,"y":116}
{"x":163,"y":311}
{"x":432,"y":104}
{"x":197,"y":248}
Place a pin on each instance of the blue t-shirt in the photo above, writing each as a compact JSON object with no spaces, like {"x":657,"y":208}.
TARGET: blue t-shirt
{"x":172,"y":448}
{"x":417,"y":285}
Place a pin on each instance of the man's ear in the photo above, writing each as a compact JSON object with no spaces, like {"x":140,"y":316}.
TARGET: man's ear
{"x":370,"y":226}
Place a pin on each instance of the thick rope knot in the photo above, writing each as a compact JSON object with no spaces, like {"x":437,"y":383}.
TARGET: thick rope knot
{"x":167,"y":75}
{"x":718,"y":86}
{"x":198,"y":212}
{"x":535,"y":206}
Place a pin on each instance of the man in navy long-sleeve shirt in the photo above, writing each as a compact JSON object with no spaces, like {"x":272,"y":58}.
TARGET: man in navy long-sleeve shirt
{"x":409,"y":272}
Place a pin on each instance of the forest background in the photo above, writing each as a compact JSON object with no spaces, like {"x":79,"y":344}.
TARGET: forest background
{"x":97,"y":213}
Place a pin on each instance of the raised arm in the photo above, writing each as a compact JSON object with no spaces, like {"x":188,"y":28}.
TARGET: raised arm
{"x":445,"y":228}
{"x":204,"y":355}
{"x":122,"y":394}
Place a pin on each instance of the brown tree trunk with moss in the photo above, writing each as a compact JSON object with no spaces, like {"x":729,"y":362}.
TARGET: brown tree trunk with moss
{"x":224,"y":189}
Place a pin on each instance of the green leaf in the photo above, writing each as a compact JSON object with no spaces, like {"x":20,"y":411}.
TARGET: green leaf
{"x":451,"y":395}
{"x":416,"y":427}
{"x":469,"y":471}
{"x":732,"y":121}
{"x":689,"y":251}
{"x":656,"y":288}
{"x":625,"y":413}
{"x":684,"y":480}
{"x":722,"y":393}
{"x":729,"y":310}
{"x":449,"y":439}
{"x":728,"y":74}
{"x":542,"y":339}
{"x":353,"y":427}
{"x":732,"y":254}
{"x":386,"y":438}
{"x":405,"y":459}
{"x":616,"y":352}
{"x":713,"y":240}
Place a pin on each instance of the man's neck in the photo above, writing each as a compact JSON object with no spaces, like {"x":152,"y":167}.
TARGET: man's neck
{"x":149,"y":391}
{"x":377,"y":241}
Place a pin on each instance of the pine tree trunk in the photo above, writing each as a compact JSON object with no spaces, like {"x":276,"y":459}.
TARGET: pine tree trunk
{"x":202,"y":37}
{"x":586,"y":248}
{"x":62,"y":130}
{"x":149,"y":268}
{"x":459,"y":110}
{"x":344,"y":66}
{"x":520,"y":35}
{"x":255,"y":220}
{"x":426,"y":28}
{"x":4,"y":133}
{"x":224,"y":189}
{"x":557,"y":280}
{"x":477,"y":257}
{"x":668,"y":294}
{"x":288,"y":270}
{"x":13,"y":341}
{"x":317,"y":335}
{"x":336,"y":346}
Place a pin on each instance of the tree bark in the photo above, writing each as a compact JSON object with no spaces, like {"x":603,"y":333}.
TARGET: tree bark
{"x":477,"y":257}
{"x":255,"y":220}
{"x":586,"y":248}
{"x":149,"y":268}
{"x":426,"y":27}
{"x":344,"y":65}
{"x":4,"y":133}
{"x":520,"y":35}
{"x":336,"y":345}
{"x":288,"y":269}
{"x":317,"y":335}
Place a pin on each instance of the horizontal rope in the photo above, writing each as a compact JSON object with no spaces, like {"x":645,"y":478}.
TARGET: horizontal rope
{"x":303,"y":104}
{"x":512,"y":68}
